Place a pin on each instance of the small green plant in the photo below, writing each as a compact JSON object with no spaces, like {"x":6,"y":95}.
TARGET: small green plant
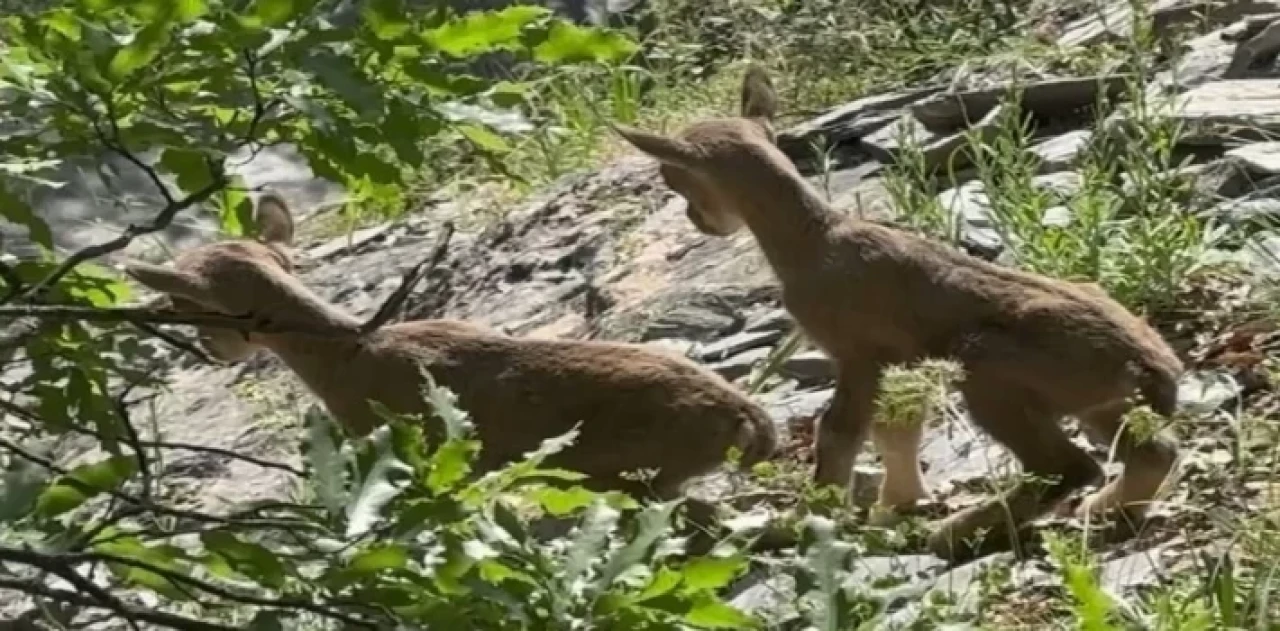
{"x":913,"y":395}
{"x":914,"y":190}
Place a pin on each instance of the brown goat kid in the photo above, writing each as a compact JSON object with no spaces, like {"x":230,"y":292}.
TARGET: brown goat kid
{"x":1034,"y":349}
{"x":638,"y":408}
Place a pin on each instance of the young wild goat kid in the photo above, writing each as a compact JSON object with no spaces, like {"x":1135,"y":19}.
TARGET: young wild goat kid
{"x":638,"y":408}
{"x":1034,"y":349}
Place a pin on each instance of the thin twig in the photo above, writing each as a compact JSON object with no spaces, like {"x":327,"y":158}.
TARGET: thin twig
{"x":391,"y":306}
{"x":135,"y":441}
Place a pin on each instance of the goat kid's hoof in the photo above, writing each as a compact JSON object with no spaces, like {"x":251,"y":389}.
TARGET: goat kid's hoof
{"x":1095,"y":505}
{"x":881,"y":516}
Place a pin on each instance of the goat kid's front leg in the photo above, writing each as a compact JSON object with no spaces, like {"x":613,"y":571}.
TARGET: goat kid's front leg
{"x":903,"y":484}
{"x":844,"y":426}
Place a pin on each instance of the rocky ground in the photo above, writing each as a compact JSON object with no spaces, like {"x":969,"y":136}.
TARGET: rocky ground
{"x":610,"y":255}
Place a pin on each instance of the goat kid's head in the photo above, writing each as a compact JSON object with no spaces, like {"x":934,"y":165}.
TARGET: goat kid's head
{"x":232,"y":278}
{"x":702,"y":161}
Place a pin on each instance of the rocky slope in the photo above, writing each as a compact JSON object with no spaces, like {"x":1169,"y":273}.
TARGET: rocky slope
{"x":610,"y":255}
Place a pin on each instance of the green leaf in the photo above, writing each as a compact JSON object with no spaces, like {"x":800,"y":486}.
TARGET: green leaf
{"x":189,"y":166}
{"x":450,"y":464}
{"x":590,"y":543}
{"x":379,"y":558}
{"x":484,"y":139}
{"x":386,"y":18}
{"x":568,"y":43}
{"x":711,"y":613}
{"x":275,"y":12}
{"x":96,"y":285}
{"x":235,"y":212}
{"x":249,"y":559}
{"x":711,"y":573}
{"x":163,"y":557}
{"x":663,"y":582}
{"x":93,"y":478}
{"x":17,"y":211}
{"x":327,"y":467}
{"x":21,"y":486}
{"x":652,"y":524}
{"x":341,"y":75}
{"x":377,"y":489}
{"x":482,"y":32}
{"x":141,"y":51}
{"x":560,"y":502}
{"x":62,"y":22}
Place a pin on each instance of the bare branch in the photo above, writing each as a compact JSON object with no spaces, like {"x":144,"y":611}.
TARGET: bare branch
{"x":391,"y":306}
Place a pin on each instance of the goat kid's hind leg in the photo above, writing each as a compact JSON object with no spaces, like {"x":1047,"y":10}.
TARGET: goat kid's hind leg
{"x":844,"y":426}
{"x":1147,"y":460}
{"x":1053,"y":466}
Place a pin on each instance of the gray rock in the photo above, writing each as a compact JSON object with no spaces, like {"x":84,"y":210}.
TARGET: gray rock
{"x":847,"y":122}
{"x":735,"y":344}
{"x":1226,"y":112}
{"x":1059,"y":153}
{"x":1262,"y":255}
{"x":1047,"y":99}
{"x":1138,"y":569}
{"x":837,"y":183}
{"x":741,"y":364}
{"x":1115,"y":21}
{"x":1259,"y":158}
{"x":769,"y":596}
{"x":869,"y":200}
{"x":772,"y":320}
{"x":937,"y":149}
{"x":809,"y":368}
{"x":801,"y":406}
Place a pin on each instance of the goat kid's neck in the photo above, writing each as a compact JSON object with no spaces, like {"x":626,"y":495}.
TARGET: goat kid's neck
{"x":792,"y":224}
{"x":326,"y":336}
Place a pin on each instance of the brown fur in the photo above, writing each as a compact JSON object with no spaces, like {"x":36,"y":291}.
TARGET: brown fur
{"x":1034,"y":349}
{"x":639,"y":408}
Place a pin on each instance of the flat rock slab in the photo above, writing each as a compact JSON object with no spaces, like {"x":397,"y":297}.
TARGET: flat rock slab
{"x":1048,"y":99}
{"x":936,"y":149}
{"x":1115,"y":21}
{"x":847,"y":122}
{"x":1261,"y":158}
{"x":1225,"y":112}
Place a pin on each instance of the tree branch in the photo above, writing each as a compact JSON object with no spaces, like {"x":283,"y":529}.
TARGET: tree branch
{"x":133,"y":614}
{"x":391,"y":306}
{"x":134,"y":231}
{"x":195,"y":516}
{"x":135,"y":315}
{"x":61,"y":564}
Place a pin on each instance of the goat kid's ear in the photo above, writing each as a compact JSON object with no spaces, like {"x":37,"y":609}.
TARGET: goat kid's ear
{"x":667,"y":150}
{"x":275,"y":221}
{"x":759,"y":99}
{"x":167,"y":280}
